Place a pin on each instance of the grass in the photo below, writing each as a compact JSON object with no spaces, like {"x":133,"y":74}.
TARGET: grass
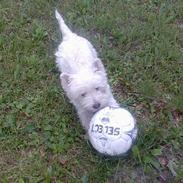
{"x":140,"y":43}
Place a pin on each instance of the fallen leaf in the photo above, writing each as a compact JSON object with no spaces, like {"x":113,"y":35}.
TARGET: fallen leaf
{"x":163,"y":160}
{"x":63,"y":160}
{"x":177,"y":117}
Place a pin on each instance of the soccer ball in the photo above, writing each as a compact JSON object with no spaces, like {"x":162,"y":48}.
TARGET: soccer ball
{"x":112,"y":131}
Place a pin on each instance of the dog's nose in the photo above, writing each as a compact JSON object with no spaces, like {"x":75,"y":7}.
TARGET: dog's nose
{"x":96,"y":105}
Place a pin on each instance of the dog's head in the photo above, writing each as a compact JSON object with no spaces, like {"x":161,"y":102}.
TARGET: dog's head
{"x":88,"y":90}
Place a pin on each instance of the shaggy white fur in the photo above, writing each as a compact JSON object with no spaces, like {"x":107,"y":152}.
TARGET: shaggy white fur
{"x":83,"y":76}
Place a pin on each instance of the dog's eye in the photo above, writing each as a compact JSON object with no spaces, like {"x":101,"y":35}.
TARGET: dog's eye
{"x":97,"y":88}
{"x":83,"y":94}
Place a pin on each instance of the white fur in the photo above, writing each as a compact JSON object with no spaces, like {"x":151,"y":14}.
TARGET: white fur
{"x":83,"y":76}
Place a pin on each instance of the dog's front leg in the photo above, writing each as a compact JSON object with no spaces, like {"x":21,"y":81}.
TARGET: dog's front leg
{"x":85,"y":118}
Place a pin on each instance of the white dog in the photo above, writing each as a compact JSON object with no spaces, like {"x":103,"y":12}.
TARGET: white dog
{"x":83,"y":76}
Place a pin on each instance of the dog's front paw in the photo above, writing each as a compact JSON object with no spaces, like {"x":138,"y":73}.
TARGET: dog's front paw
{"x":113,"y":103}
{"x":86,"y":136}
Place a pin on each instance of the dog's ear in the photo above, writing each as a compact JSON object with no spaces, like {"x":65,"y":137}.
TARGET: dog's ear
{"x":65,"y":79}
{"x":98,"y":66}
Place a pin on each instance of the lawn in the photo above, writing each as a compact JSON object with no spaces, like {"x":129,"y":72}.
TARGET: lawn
{"x":141,"y":45}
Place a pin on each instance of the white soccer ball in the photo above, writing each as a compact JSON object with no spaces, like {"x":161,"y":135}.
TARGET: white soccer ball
{"x":112,"y":131}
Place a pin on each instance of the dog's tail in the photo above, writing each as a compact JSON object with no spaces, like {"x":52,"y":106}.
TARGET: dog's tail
{"x":63,"y":27}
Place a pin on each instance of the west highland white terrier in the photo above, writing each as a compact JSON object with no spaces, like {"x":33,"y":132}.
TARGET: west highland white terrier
{"x":83,"y":76}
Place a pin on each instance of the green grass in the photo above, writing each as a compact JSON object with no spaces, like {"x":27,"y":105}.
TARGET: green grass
{"x":141,"y":45}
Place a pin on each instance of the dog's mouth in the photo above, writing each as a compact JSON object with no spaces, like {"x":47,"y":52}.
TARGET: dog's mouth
{"x":93,"y":111}
{"x":96,"y":110}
